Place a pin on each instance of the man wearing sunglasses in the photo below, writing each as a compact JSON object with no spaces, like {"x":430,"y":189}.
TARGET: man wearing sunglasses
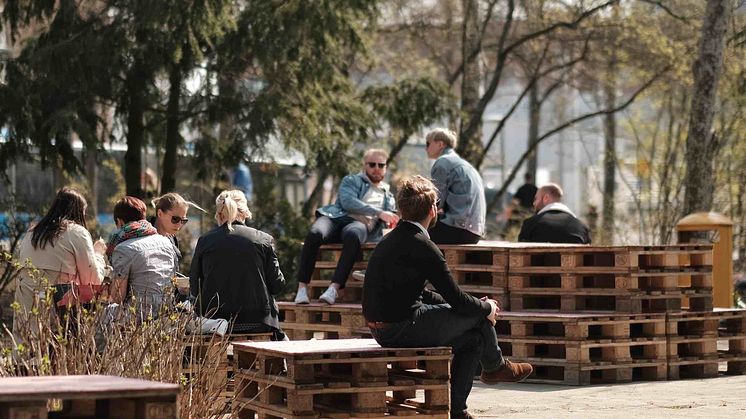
{"x":363,"y":208}
{"x":461,"y":207}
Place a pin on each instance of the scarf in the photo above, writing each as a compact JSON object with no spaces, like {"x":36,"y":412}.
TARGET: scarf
{"x":131,"y":230}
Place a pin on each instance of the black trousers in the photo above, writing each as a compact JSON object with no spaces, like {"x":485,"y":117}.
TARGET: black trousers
{"x":348,"y":231}
{"x":445,"y":234}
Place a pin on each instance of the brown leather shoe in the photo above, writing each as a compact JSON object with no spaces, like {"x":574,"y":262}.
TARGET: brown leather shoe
{"x":511,"y":372}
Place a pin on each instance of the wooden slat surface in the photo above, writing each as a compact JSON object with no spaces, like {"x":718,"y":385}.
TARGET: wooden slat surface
{"x":369,"y":347}
{"x":72,"y":387}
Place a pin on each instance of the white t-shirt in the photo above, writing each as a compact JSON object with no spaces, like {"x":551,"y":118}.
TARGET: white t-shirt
{"x":374,"y":197}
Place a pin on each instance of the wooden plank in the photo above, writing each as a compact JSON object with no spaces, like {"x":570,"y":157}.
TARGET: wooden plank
{"x":70,"y":387}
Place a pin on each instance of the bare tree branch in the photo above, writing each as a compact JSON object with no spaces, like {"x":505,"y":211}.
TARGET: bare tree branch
{"x":566,"y":125}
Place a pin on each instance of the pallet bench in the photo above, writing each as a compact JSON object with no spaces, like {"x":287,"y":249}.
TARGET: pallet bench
{"x":340,"y":378}
{"x":88,"y":396}
{"x":320,"y":320}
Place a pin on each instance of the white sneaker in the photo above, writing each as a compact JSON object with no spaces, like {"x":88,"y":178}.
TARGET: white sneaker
{"x":302,"y":296}
{"x":358,"y":275}
{"x":329,"y":296}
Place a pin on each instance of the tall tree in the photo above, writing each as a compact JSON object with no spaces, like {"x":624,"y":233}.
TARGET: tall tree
{"x":701,"y":143}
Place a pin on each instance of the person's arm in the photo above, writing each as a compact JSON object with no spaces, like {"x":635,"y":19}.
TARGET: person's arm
{"x":195,"y":270}
{"x":432,"y":297}
{"x":349,"y":200}
{"x":273,"y":276}
{"x":437,"y":272}
{"x":89,"y":263}
{"x":121,"y":265}
{"x":439,"y":174}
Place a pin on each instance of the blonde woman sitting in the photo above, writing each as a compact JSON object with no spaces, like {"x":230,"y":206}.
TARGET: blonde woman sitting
{"x":235,"y":271}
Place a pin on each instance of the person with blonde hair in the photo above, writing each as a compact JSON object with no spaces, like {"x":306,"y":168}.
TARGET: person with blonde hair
{"x":365,"y":205}
{"x":235,"y":271}
{"x":462,"y":207}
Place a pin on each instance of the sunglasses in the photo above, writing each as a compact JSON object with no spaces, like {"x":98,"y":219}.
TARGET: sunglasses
{"x":373,"y":165}
{"x":175,"y":219}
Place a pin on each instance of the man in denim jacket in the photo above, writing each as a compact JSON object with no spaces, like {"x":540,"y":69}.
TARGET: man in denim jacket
{"x":461,"y":207}
{"x":364,"y":207}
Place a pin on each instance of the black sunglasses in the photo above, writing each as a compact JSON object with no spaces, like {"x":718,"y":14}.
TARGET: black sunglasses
{"x":372,"y":165}
{"x":175,"y":219}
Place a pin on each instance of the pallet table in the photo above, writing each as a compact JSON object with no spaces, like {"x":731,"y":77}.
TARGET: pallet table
{"x":340,"y":378}
{"x":88,"y":396}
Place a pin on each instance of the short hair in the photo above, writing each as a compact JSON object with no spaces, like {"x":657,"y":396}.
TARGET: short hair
{"x":130,"y":209}
{"x":415,"y":196}
{"x":446,"y":136}
{"x":229,"y":205}
{"x":376,"y":151}
{"x":553,"y":190}
{"x":168,"y":201}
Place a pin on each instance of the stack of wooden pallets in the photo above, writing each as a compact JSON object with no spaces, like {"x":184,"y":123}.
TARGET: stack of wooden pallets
{"x":340,"y":378}
{"x":621,"y":279}
{"x":580,"y":314}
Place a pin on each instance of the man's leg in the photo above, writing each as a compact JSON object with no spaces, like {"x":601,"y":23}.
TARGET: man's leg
{"x":473,"y":339}
{"x":322,"y":231}
{"x":445,"y":234}
{"x":353,"y":235}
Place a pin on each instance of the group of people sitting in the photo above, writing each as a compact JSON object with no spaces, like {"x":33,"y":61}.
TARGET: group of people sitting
{"x":139,"y":263}
{"x":235,"y":271}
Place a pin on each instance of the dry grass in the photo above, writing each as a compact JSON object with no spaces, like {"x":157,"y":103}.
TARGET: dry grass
{"x":50,"y":344}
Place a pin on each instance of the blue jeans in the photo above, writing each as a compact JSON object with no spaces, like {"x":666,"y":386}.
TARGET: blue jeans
{"x":472,"y":339}
{"x":346,"y":230}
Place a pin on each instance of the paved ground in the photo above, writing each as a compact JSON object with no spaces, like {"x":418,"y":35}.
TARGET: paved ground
{"x":723,"y":397}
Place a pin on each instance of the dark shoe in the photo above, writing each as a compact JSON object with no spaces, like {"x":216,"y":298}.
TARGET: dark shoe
{"x":511,"y":372}
{"x":462,"y":415}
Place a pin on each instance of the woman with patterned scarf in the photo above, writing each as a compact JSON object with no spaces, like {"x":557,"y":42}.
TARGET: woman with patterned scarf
{"x":143,"y":261}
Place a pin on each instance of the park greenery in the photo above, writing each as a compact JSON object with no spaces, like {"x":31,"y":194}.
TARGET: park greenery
{"x":209,"y":83}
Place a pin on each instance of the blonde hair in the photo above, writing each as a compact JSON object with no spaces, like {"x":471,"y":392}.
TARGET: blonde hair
{"x":170,"y":200}
{"x":443,"y":135}
{"x":229,"y":206}
{"x":375,"y":152}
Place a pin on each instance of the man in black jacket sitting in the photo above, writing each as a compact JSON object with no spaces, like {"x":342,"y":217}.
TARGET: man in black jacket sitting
{"x":554,"y":222}
{"x":401,"y":313}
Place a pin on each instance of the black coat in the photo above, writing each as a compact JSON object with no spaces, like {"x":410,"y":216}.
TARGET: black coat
{"x":234,"y":275}
{"x":554,"y":227}
{"x":397,"y":271}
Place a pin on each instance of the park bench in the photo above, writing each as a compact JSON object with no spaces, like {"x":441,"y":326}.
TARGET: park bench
{"x":87,"y":396}
{"x":341,"y":378}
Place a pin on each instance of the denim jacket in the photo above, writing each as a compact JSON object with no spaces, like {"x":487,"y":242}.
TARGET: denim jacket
{"x":349,"y":201}
{"x":460,"y":191}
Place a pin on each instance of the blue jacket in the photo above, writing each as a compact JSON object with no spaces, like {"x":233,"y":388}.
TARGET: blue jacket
{"x":460,"y":191}
{"x":349,"y":201}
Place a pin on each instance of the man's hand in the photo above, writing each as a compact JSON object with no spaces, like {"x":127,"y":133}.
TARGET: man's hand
{"x":388,"y":217}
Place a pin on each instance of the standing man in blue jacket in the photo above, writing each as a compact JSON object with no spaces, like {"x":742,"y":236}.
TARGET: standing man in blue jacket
{"x":365,"y":205}
{"x":461,"y":204}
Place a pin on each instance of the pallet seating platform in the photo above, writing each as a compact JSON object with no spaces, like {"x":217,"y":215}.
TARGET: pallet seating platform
{"x":304,"y":321}
{"x":341,"y":378}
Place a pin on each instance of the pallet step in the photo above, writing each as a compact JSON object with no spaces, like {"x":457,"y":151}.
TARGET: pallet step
{"x":585,"y":352}
{"x":575,"y":375}
{"x":573,"y":326}
{"x":593,"y":301}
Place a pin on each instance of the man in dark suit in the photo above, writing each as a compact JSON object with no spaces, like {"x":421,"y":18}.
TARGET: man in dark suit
{"x":554,"y":222}
{"x":400,"y":312}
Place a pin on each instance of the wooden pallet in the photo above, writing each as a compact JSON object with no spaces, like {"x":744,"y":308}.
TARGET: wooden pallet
{"x":349,"y":377}
{"x":551,"y":372}
{"x":573,"y":326}
{"x":617,"y":301}
{"x":697,"y":368}
{"x":585,"y":352}
{"x":304,"y":321}
{"x":606,"y":259}
{"x":732,"y":340}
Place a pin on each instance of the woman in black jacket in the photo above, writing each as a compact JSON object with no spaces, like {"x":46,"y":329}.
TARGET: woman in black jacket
{"x":235,"y":271}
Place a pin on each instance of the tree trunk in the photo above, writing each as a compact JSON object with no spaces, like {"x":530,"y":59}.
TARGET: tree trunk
{"x":136,"y":85}
{"x":470,"y":141}
{"x":534,"y":120}
{"x":701,"y":145}
{"x":173,"y":139}
{"x":313,"y":199}
{"x":607,"y":214}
